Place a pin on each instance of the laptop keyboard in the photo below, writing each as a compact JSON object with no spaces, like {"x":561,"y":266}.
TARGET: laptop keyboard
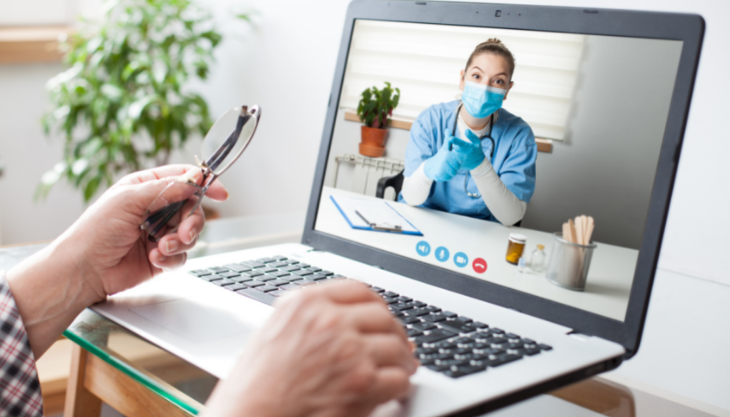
{"x":445,"y":342}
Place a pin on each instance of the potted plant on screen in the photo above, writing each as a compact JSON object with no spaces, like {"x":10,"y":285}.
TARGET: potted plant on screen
{"x":123,"y":104}
{"x":375,"y":110}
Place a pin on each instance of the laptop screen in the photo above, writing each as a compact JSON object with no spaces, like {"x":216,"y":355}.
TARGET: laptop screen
{"x":522,"y":158}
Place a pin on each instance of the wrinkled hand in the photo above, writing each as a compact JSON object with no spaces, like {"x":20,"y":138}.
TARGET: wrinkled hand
{"x":328,"y":350}
{"x":446,"y":163}
{"x":107,"y":235}
{"x":471,"y":151}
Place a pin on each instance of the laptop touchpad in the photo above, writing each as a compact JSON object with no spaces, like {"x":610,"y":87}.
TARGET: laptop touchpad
{"x":193,"y":321}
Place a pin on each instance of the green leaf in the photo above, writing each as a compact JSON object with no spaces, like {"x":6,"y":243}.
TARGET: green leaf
{"x":91,"y":188}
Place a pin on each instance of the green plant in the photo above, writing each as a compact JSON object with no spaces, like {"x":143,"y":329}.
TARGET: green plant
{"x":376,"y":106}
{"x":123,"y":103}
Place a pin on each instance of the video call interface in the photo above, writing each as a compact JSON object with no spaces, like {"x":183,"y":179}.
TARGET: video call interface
{"x":530,"y":168}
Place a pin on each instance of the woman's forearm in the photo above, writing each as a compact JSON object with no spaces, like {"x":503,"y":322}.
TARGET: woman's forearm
{"x":50,"y":289}
{"x":416,"y":188}
{"x":504,"y":205}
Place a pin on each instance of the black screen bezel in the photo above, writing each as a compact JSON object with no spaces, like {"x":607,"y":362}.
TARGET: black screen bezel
{"x":655,"y":25}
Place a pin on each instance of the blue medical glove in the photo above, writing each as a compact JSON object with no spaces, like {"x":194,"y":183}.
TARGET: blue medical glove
{"x":471,"y":151}
{"x":444,"y":165}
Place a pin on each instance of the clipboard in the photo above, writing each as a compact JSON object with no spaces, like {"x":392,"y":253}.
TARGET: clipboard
{"x":374,"y":215}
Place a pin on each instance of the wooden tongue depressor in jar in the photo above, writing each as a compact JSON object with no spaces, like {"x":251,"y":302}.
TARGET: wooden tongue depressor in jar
{"x":580,"y":230}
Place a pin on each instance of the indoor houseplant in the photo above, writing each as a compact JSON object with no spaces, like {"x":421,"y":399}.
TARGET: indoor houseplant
{"x":124,"y":103}
{"x":375,"y":110}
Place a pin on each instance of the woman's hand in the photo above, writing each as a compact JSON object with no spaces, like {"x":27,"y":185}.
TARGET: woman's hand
{"x":328,"y":350}
{"x":102,"y":253}
{"x":446,"y":163}
{"x":471,"y":151}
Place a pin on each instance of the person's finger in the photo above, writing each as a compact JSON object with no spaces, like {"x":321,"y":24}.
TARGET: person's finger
{"x":473,"y":137}
{"x":172,"y":245}
{"x":389,"y":383}
{"x":158,"y":173}
{"x":166,"y":262}
{"x":374,"y":318}
{"x":389,"y":350}
{"x":217,"y":191}
{"x":346,"y":292}
{"x":190,"y":228}
{"x":461,"y":144}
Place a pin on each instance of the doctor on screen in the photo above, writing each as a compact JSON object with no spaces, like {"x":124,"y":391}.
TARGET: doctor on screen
{"x":471,"y":156}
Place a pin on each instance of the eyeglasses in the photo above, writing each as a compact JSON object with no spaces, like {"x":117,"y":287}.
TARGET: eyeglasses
{"x":222,"y":146}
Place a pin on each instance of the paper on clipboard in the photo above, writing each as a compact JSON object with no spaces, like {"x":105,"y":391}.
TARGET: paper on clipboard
{"x":370,"y":214}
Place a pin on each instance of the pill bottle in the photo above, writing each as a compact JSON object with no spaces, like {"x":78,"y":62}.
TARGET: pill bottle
{"x":515,"y":247}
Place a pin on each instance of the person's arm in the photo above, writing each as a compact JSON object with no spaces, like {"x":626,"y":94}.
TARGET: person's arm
{"x":504,"y":205}
{"x":102,"y":253}
{"x":416,"y":188}
{"x":328,"y":350}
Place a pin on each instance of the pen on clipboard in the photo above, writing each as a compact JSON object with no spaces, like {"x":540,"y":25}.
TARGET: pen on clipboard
{"x":396,"y":228}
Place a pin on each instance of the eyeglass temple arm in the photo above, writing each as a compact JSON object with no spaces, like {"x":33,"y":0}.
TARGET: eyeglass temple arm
{"x":222,"y":152}
{"x":166,"y":213}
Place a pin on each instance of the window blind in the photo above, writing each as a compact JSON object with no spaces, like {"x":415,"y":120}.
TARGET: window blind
{"x":424,"y":61}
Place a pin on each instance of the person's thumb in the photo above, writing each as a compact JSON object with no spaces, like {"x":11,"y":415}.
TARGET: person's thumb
{"x":473,"y":137}
{"x":157,"y":194}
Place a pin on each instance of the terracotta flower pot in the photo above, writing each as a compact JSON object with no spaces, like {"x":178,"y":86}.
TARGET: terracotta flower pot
{"x":372,"y":136}
{"x":371,"y":151}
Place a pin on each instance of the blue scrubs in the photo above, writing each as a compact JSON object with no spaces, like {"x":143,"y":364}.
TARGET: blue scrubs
{"x":514,"y":159}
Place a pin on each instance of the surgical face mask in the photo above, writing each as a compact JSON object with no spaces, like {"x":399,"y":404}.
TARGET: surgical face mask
{"x":480,"y":100}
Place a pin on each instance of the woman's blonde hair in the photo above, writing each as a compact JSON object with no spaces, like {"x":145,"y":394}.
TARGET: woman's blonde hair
{"x":496,"y":47}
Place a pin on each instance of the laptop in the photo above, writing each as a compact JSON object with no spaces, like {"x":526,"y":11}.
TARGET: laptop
{"x":606,"y":95}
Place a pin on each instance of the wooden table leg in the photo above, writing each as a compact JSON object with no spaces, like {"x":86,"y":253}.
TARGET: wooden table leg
{"x":80,"y":402}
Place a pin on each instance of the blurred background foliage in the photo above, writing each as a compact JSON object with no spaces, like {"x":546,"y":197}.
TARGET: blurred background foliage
{"x":122,"y":105}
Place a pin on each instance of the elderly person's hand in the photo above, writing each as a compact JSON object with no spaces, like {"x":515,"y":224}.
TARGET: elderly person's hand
{"x":328,"y":350}
{"x":102,"y":253}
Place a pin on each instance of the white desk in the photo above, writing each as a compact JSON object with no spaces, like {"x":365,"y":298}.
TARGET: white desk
{"x":609,"y":279}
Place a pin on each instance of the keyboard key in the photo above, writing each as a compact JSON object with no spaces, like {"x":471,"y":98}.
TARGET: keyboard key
{"x":289,"y":287}
{"x":266,"y":288}
{"x":257,"y":295}
{"x":449,"y":314}
{"x":303,"y":266}
{"x":317,"y":277}
{"x":417,"y":312}
{"x":266,"y":260}
{"x":229,"y":274}
{"x":390,"y":294}
{"x":235,"y":287}
{"x":433,"y":318}
{"x":292,"y":278}
{"x":290,"y":268}
{"x":277,"y":282}
{"x":278,"y":274}
{"x":419,"y":304}
{"x":314,"y":269}
{"x":401,"y":306}
{"x":255,"y":283}
{"x":500,"y":360}
{"x":200,"y":272}
{"x":238,"y":267}
{"x":252,"y":274}
{"x":433,"y":309}
{"x":266,"y":269}
{"x":377,"y":289}
{"x":280,"y":258}
{"x":327,"y":273}
{"x":408,"y":320}
{"x":217,"y":269}
{"x":278,"y":264}
{"x":304,"y":272}
{"x":413,"y":332}
{"x":403,"y":299}
{"x":390,"y":300}
{"x":241,"y":279}
{"x":434,"y":336}
{"x":531,"y":351}
{"x":210,"y":278}
{"x":423,"y":326}
{"x":265,"y":278}
{"x":456,"y":326}
{"x":254,"y":264}
{"x":543,"y":346}
{"x":459,"y":371}
{"x":224,"y":282}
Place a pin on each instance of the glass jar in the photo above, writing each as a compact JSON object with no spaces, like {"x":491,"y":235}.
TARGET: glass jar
{"x":537,"y":261}
{"x":515,"y":247}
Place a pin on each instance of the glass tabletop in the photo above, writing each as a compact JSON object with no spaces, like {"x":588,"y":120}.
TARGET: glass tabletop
{"x":168,"y":376}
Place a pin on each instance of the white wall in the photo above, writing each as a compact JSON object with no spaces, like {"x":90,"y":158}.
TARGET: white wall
{"x":286,"y":66}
